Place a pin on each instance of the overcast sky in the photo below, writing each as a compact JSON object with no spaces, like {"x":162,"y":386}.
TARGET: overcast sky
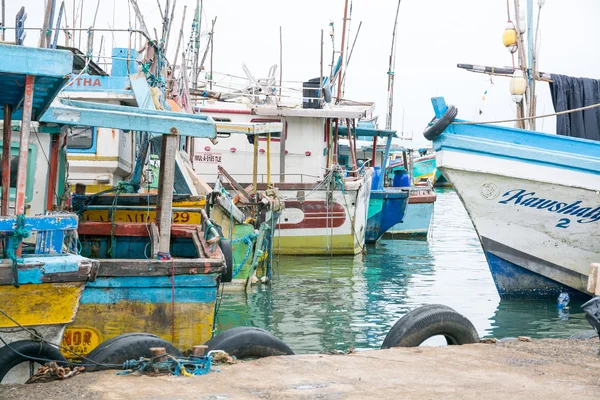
{"x":433,"y":36}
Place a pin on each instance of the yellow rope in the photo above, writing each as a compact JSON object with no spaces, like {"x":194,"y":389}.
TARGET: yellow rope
{"x":528,"y":118}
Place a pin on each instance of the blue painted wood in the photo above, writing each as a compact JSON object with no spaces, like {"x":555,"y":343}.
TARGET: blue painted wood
{"x":35,"y":61}
{"x":69,"y":112}
{"x":34,"y":267}
{"x":151,"y":289}
{"x":40,"y":223}
{"x":367,"y":131}
{"x":526,"y":146}
{"x":392,"y":212}
{"x":95,"y":83}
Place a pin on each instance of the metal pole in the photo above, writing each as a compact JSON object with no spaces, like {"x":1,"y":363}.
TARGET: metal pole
{"x":3,"y":18}
{"x":339,"y":89}
{"x":282,"y":151}
{"x":212,"y":48}
{"x":352,"y":153}
{"x":374,"y":155}
{"x":166,"y":181}
{"x":255,"y":166}
{"x":6,"y":158}
{"x":268,"y":158}
{"x":24,"y":145}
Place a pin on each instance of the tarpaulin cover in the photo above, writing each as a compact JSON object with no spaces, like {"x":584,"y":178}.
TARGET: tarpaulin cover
{"x":569,"y":93}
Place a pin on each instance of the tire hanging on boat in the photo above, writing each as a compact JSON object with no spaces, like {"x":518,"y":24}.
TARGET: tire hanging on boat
{"x":249,"y":342}
{"x":227,"y":250}
{"x":115,"y":351}
{"x":20,"y":351}
{"x":440,"y":124}
{"x":428,"y":321}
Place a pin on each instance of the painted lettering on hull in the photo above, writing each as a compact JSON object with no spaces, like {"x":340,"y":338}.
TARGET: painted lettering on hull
{"x":583,"y":213}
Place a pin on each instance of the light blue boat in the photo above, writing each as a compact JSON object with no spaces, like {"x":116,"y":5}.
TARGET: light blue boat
{"x":387,"y":204}
{"x":532,"y":197}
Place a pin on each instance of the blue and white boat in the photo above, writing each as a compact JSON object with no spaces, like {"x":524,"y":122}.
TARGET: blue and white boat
{"x":532,"y":197}
{"x":387,"y":204}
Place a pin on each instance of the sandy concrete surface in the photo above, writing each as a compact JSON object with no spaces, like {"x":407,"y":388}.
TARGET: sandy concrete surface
{"x":542,"y":369}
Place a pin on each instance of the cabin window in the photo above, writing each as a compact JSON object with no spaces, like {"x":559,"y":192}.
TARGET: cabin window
{"x":81,"y":138}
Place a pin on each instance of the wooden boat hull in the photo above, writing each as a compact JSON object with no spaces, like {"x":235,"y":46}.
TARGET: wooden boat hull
{"x":386,"y":209}
{"x":323,"y":222}
{"x":179,"y":309}
{"x":533,"y":199}
{"x":417,"y":217}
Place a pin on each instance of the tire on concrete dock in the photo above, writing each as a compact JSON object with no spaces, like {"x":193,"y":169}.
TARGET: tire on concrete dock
{"x":248,"y":342}
{"x":113,"y":352}
{"x":428,"y":321}
{"x":43,"y":352}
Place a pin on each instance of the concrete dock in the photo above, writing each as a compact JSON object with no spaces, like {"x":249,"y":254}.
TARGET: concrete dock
{"x":541,"y":369}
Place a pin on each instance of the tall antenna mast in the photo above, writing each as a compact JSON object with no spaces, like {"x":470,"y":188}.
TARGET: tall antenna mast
{"x":392,"y":65}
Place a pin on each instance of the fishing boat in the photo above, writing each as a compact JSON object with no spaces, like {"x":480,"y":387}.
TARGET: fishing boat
{"x":533,"y":199}
{"x":102,"y":160}
{"x":42,"y":277}
{"x":325,"y":208}
{"x":387,"y":204}
{"x":425,"y":169}
{"x":532,"y":196}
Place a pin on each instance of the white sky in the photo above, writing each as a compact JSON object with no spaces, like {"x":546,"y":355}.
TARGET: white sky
{"x":433,"y":36}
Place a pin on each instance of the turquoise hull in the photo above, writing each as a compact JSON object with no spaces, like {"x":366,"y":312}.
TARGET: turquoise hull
{"x":417,"y":219}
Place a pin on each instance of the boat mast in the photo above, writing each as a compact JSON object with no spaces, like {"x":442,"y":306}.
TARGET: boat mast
{"x":392,"y":65}
{"x":339,"y":88}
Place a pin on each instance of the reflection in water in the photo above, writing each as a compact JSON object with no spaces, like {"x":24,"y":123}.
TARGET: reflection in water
{"x":336,"y":303}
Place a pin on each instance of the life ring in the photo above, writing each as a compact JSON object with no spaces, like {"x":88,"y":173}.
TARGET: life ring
{"x":22,"y":351}
{"x":439,"y":125}
{"x":428,"y":321}
{"x":112,"y":353}
{"x":227,"y":249}
{"x":248,"y":342}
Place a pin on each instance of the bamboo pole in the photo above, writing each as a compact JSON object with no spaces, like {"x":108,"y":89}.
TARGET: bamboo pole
{"x":280,"y":61}
{"x":321,"y":75}
{"x":339,"y":89}
{"x":180,"y":38}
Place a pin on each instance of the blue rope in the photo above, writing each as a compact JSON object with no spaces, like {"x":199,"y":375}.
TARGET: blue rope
{"x":248,"y":239}
{"x":183,"y":366}
{"x":19,"y":233}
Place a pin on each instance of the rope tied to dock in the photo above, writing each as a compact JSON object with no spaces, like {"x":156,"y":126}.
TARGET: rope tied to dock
{"x":20,"y":232}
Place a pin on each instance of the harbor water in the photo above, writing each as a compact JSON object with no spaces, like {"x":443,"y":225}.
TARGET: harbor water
{"x":317,"y":304}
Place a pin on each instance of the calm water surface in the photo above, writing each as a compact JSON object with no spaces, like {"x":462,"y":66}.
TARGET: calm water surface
{"x":336,"y":303}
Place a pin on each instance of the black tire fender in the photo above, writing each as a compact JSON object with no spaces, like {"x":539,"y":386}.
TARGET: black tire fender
{"x":115,"y":351}
{"x":28,"y":348}
{"x":249,"y":342}
{"x":427,"y":321}
{"x":227,"y":250}
{"x":439,"y":125}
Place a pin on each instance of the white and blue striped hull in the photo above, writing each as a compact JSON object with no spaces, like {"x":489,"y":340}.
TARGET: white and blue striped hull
{"x":534,"y":200}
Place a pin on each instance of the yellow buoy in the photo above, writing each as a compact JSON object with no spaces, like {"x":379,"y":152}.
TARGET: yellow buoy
{"x":509,"y":38}
{"x":517,"y":86}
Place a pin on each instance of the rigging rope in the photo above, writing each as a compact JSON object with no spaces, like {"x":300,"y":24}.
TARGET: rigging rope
{"x":528,"y":118}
